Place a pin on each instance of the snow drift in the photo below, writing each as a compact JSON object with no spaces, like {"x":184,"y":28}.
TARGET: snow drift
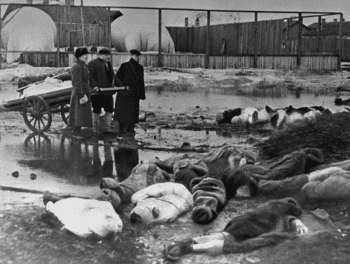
{"x":138,"y":29}
{"x":27,"y":29}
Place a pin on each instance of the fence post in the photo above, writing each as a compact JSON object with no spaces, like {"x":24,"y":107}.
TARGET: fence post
{"x":300,"y":39}
{"x":256,"y":40}
{"x":0,"y":35}
{"x":58,"y":36}
{"x":82,"y":21}
{"x":160,"y":61}
{"x":207,"y":52}
{"x":340,"y":43}
{"x":319,"y":27}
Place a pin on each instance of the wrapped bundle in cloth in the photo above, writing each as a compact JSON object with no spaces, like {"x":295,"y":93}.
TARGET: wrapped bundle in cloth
{"x":330,"y":184}
{"x":209,"y":198}
{"x":86,"y":217}
{"x":185,"y":170}
{"x":160,"y":203}
{"x":295,"y":163}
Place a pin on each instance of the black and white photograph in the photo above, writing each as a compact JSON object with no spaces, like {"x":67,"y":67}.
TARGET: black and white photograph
{"x":189,"y":132}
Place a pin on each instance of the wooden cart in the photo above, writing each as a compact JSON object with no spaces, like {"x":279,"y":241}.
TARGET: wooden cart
{"x":37,"y":110}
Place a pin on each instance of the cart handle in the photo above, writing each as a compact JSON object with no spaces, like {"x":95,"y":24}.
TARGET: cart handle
{"x":110,"y":89}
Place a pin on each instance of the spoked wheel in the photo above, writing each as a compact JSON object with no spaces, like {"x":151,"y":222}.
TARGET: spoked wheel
{"x":65,"y":113}
{"x":37,"y":114}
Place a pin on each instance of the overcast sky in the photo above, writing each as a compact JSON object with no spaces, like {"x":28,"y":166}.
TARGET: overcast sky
{"x":267,"y":5}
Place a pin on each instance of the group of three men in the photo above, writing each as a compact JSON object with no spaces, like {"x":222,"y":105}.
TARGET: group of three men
{"x":130,"y":75}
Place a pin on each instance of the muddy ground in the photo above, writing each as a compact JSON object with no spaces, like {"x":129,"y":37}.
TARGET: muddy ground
{"x":29,"y":234}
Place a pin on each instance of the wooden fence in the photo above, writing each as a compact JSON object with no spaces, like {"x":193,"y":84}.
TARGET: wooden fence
{"x":308,"y":62}
{"x":72,"y":35}
{"x":262,"y":38}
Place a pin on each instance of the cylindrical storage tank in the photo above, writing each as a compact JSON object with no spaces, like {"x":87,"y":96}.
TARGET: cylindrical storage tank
{"x":138,"y":29}
{"x":27,"y":29}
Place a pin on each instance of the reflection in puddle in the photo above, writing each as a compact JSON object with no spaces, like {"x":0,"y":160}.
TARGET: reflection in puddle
{"x":61,"y":160}
{"x":78,"y":163}
{"x":125,"y":160}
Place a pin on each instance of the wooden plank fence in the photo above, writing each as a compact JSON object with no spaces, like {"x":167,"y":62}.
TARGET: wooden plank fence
{"x":308,"y":62}
{"x":241,"y":39}
{"x":72,"y":34}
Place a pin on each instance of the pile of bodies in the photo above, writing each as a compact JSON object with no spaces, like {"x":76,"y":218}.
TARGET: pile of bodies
{"x":278,"y":118}
{"x":202,"y":183}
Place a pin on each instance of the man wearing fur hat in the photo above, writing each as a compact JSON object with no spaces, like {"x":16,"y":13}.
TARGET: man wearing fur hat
{"x":127,"y":105}
{"x":101,"y":76}
{"x":80,"y":101}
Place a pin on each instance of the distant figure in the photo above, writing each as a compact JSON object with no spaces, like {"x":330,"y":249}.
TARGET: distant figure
{"x":93,"y":49}
{"x":70,"y":49}
{"x":102,"y":76}
{"x":339,"y":101}
{"x":80,"y":101}
{"x":127,"y":105}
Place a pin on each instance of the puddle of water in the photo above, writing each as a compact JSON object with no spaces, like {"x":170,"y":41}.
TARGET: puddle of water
{"x":64,"y":166}
{"x":214,"y":98}
{"x":219,"y":99}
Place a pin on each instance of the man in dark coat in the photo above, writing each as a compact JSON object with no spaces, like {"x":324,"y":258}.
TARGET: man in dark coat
{"x":127,"y":105}
{"x":101,"y":76}
{"x":80,"y":102}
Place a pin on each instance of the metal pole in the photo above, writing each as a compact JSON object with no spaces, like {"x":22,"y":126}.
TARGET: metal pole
{"x":82,"y":21}
{"x":58,"y":35}
{"x":300,"y":39}
{"x":110,"y":34}
{"x":67,"y":13}
{"x":160,"y":61}
{"x":109,"y":29}
{"x":207,"y":52}
{"x":340,"y":43}
{"x":256,"y":40}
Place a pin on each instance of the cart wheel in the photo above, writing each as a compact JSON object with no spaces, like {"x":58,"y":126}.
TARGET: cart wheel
{"x":37,"y":114}
{"x":65,"y":113}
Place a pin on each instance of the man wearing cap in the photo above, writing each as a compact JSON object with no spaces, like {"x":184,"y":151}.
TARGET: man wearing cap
{"x":101,"y":76}
{"x":127,"y":105}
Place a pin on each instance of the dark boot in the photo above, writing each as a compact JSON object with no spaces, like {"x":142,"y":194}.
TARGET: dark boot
{"x":130,"y":129}
{"x":121,"y":128}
